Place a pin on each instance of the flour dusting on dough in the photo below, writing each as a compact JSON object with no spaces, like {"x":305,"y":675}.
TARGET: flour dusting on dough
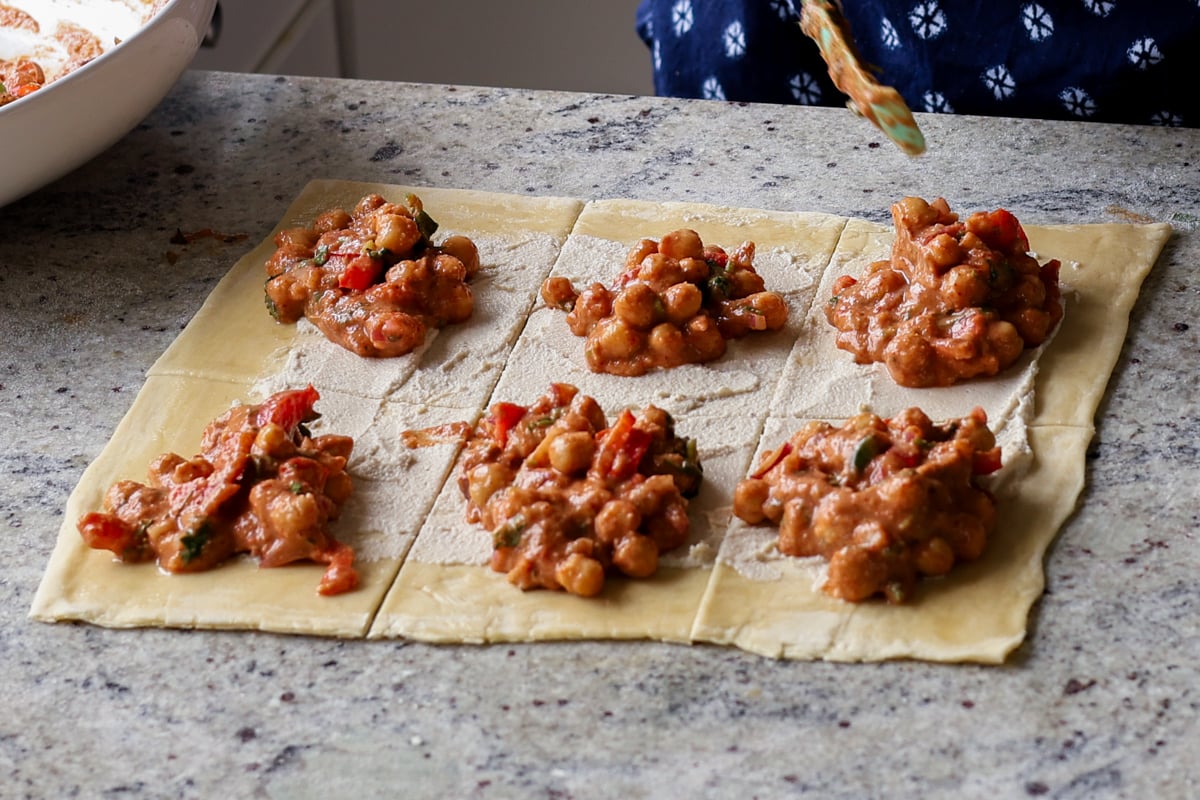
{"x":455,"y":367}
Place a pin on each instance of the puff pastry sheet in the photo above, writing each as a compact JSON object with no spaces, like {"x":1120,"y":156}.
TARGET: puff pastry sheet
{"x":424,"y":569}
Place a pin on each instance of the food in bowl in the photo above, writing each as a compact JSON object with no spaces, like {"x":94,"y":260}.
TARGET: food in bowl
{"x":103,"y":64}
{"x":43,"y":40}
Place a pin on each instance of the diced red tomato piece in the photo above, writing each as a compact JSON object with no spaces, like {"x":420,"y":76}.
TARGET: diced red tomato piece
{"x":1006,"y":232}
{"x":505,"y":417}
{"x":288,"y":409}
{"x":360,"y":273}
{"x":716,"y":256}
{"x":772,"y":459}
{"x":106,"y":532}
{"x":622,"y":447}
{"x":340,"y":575}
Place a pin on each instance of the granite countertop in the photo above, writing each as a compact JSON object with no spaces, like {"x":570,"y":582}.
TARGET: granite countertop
{"x":1102,"y":700}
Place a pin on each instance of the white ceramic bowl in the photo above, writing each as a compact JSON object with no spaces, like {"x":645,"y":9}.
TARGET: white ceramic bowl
{"x":67,"y":122}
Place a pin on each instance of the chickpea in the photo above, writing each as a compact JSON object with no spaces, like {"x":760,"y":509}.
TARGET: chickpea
{"x":332,"y":220}
{"x":970,"y":537}
{"x":682,"y":302}
{"x":799,"y":533}
{"x":745,"y":282}
{"x":462,"y":248}
{"x":485,"y":480}
{"x":586,"y":407}
{"x":338,"y":488}
{"x":394,"y":333}
{"x":408,"y":272}
{"x":652,"y":494}
{"x":669,"y":528}
{"x":613,"y":340}
{"x":593,"y":304}
{"x":296,"y":239}
{"x":681,"y":244}
{"x":272,"y":440}
{"x":1031,"y":291}
{"x":1006,"y":342}
{"x":1033,"y":325}
{"x":366,"y":205}
{"x":764,"y":311}
{"x":660,"y":271}
{"x":396,"y":233}
{"x":333,"y":445}
{"x":695,"y":270}
{"x":854,"y":575}
{"x":667,"y":344}
{"x":557,"y":292}
{"x":637,"y":254}
{"x":180,"y":470}
{"x":636,"y":556}
{"x":580,"y":575}
{"x":749,"y":498}
{"x":616,"y":519}
{"x":638,"y":305}
{"x":944,"y":252}
{"x":704,"y":337}
{"x":882,"y":280}
{"x":287,"y":512}
{"x":964,"y":286}
{"x":449,"y":268}
{"x":571,"y":453}
{"x":303,"y":470}
{"x":934,"y":557}
{"x":458,"y":304}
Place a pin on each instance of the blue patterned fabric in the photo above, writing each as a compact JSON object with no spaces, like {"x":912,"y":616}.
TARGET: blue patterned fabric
{"x":1101,"y":60}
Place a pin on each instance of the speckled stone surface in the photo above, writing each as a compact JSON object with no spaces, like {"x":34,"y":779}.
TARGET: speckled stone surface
{"x":1103,"y":699}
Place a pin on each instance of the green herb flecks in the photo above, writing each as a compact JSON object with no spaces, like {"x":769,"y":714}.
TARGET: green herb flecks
{"x":296,"y":487}
{"x":425,"y":223}
{"x":321,"y":255}
{"x":718,"y":286}
{"x":867,"y":449}
{"x":272,"y":308}
{"x":509,"y":534}
{"x":194,"y":542}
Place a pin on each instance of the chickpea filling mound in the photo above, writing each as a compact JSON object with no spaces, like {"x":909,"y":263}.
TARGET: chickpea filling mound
{"x":371,"y":279}
{"x":261,"y":485}
{"x":957,"y":300}
{"x":676,"y":302}
{"x":884,"y":501}
{"x":569,"y":498}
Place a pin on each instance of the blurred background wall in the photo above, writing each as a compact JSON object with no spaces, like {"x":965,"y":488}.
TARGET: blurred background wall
{"x":577,"y":45}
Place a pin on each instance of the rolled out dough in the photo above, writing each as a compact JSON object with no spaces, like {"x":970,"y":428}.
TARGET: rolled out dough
{"x":424,"y":568}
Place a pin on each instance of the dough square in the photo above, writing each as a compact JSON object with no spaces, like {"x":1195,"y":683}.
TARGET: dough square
{"x":1102,"y":270}
{"x":822,"y":382}
{"x":771,"y":604}
{"x":792,"y":250}
{"x":169,"y":415}
{"x":234,"y":338}
{"x":424,"y":569}
{"x":90,"y":585}
{"x":446,"y":592}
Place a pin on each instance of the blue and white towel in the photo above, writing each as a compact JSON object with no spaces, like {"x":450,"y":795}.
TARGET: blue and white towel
{"x":1133,"y":61}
